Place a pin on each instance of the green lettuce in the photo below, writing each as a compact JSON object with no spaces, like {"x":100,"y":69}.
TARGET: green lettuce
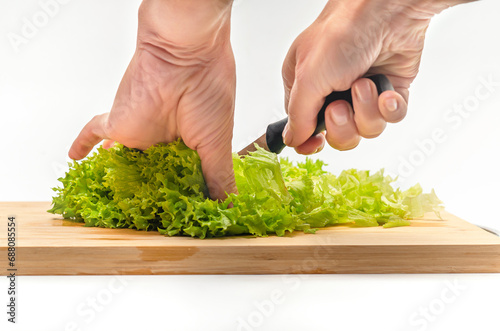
{"x":162,"y":189}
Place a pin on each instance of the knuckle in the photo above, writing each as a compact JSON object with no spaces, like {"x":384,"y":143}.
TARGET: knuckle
{"x":350,"y":146}
{"x":303,"y":78}
{"x":294,"y":117}
{"x":345,"y":144}
{"x":287,"y":73}
{"x":373,"y":129}
{"x":109,"y":129}
{"x":397,"y":118}
{"x":370,"y":133}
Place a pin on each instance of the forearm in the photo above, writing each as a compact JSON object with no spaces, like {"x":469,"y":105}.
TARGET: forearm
{"x":184,"y":27}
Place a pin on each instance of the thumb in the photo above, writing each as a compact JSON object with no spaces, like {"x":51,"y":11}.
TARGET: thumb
{"x":217,"y":166}
{"x":92,"y":133}
{"x":303,"y":108}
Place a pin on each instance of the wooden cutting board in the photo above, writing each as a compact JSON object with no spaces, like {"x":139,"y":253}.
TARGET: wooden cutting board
{"x":48,"y":245}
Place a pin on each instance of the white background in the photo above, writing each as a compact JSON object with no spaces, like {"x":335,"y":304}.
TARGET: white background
{"x":69,"y":71}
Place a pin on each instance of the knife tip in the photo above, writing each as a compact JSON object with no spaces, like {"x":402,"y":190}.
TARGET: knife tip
{"x":261,"y":142}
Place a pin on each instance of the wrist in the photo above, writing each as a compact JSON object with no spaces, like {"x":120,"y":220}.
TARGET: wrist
{"x":370,"y":20}
{"x":355,"y":10}
{"x":184,"y":30}
{"x":416,"y":9}
{"x":434,"y":6}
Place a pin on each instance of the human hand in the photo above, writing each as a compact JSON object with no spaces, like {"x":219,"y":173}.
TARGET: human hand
{"x":179,"y":83}
{"x":351,"y":39}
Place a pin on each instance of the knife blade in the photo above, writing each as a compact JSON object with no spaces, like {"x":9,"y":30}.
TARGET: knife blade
{"x":272,"y":140}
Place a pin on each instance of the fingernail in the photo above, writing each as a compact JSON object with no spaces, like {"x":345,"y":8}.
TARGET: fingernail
{"x":340,"y":114}
{"x":364,"y":91}
{"x":287,"y":135}
{"x":391,"y":104}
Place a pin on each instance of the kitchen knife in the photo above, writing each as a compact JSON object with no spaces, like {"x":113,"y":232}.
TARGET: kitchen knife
{"x":272,"y":140}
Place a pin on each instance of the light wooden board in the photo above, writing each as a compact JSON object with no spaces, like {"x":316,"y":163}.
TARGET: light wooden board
{"x":48,"y":245}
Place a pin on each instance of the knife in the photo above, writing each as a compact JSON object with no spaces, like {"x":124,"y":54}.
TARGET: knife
{"x":272,"y":140}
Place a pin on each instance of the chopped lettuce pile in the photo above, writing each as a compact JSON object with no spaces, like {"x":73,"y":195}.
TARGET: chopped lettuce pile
{"x":163,"y":189}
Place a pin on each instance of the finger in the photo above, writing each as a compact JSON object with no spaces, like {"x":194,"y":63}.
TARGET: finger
{"x":341,"y":131}
{"x":108,"y":143}
{"x":392,"y":106}
{"x":312,"y":145}
{"x":92,"y":133}
{"x":217,"y":165}
{"x":303,"y":108}
{"x":369,"y":121}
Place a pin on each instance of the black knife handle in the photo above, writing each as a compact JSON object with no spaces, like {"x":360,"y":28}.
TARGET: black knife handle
{"x":274,"y":133}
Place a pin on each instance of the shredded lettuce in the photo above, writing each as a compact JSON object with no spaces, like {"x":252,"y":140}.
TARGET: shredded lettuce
{"x":162,"y":189}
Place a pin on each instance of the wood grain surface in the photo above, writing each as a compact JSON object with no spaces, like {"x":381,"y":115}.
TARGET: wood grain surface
{"x":49,"y":245}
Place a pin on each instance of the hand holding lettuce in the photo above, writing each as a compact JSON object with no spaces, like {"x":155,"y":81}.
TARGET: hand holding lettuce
{"x":162,"y":189}
{"x":180,"y":83}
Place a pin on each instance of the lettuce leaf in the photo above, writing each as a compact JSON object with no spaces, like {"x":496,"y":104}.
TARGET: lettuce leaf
{"x":162,"y":189}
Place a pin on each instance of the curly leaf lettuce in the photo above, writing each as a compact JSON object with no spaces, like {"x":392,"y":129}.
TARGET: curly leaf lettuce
{"x":162,"y":189}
